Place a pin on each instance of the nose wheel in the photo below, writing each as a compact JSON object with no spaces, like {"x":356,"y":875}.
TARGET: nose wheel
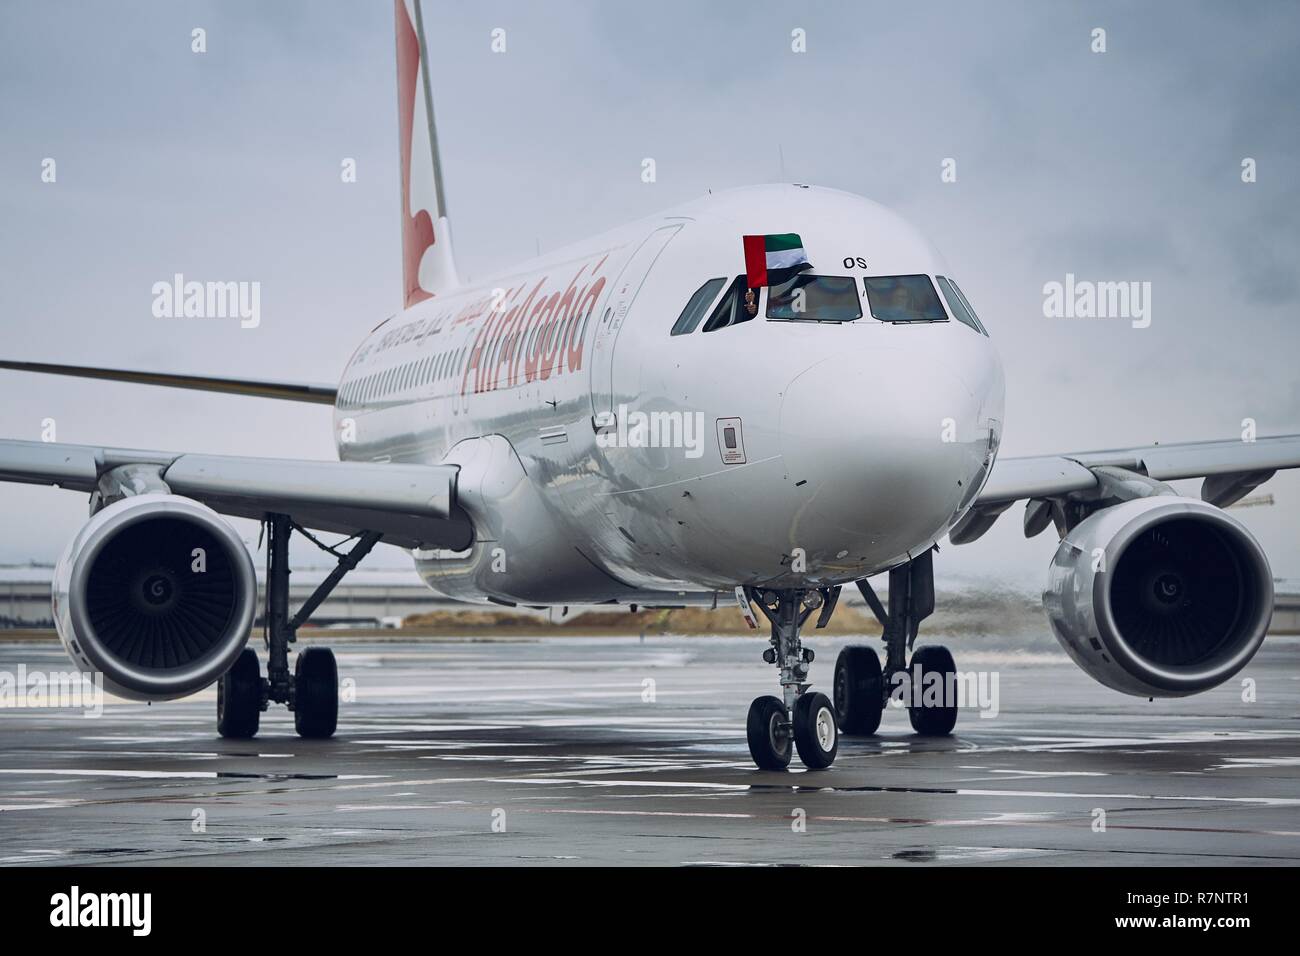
{"x":798,"y":721}
{"x":816,"y":734}
{"x":771,"y":742}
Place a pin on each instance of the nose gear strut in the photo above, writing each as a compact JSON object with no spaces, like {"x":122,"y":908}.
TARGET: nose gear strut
{"x":807,"y":719}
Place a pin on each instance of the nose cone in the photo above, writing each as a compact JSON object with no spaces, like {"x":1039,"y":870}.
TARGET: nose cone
{"x":888,"y":442}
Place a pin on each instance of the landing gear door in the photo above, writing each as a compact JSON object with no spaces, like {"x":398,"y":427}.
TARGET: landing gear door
{"x":626,"y":287}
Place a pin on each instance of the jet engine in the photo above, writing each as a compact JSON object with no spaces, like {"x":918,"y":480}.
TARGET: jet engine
{"x":1160,"y":597}
{"x":157,"y":593}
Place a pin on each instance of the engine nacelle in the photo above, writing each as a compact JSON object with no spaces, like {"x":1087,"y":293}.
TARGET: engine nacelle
{"x":1160,"y":596}
{"x":157,"y":593}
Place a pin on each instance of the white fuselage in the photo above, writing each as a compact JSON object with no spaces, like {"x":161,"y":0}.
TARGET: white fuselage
{"x":859,"y":444}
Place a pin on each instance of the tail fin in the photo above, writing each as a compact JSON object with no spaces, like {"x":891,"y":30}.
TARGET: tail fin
{"x":428,"y":266}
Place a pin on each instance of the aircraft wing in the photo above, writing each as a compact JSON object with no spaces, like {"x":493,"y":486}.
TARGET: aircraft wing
{"x":289,"y":391}
{"x":1231,"y":469}
{"x":410,"y":505}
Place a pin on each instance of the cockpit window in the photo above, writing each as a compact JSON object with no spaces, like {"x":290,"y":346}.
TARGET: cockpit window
{"x":959,"y":306}
{"x":904,"y":299}
{"x":812,"y":298}
{"x":696,"y":308}
{"x":738,"y":304}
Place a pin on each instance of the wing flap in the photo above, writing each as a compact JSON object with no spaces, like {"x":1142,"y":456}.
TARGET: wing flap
{"x":75,"y":467}
{"x":1231,"y":469}
{"x":411,"y":505}
{"x":1048,"y":476}
{"x":1202,"y":459}
{"x":402,"y":489}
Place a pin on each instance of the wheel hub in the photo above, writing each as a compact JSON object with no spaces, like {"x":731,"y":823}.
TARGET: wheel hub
{"x":779,"y":732}
{"x":825,"y":727}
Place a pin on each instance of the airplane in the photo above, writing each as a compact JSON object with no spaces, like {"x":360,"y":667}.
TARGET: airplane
{"x":760,"y":396}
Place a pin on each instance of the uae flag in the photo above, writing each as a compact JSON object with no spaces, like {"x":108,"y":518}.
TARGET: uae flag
{"x":772,"y":260}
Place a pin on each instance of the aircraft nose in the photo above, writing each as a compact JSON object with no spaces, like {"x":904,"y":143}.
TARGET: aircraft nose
{"x":887,"y":442}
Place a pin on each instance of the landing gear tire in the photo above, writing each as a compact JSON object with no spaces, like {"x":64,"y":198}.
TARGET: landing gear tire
{"x":816,"y":735}
{"x":239,"y":697}
{"x":316,"y":693}
{"x":859,"y":690}
{"x":769,"y":737}
{"x":933,"y":721}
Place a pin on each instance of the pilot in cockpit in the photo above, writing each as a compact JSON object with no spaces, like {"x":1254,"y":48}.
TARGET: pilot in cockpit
{"x":900,"y":300}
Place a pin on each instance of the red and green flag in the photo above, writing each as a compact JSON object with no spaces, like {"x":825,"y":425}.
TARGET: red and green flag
{"x":772,"y":260}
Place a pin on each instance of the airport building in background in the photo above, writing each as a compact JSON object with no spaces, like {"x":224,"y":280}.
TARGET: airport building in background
{"x":383,"y":598}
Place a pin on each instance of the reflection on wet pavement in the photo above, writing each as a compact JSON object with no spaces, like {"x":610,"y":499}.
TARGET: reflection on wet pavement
{"x":552,"y":752}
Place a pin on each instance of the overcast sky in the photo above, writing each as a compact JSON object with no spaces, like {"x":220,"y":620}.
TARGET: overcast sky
{"x":1123,"y":165}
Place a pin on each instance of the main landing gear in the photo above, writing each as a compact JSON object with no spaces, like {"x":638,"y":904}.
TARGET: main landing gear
{"x":798,"y":720}
{"x":862,"y":687}
{"x":311,"y":691}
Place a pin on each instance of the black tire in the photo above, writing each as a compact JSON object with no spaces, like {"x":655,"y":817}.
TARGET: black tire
{"x":933,"y":721}
{"x":859,"y":690}
{"x":816,"y":734}
{"x":769,"y":743}
{"x":239,"y":697}
{"x":315,"y":693}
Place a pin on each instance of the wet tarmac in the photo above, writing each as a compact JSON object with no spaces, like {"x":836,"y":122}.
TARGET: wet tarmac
{"x":617,"y":751}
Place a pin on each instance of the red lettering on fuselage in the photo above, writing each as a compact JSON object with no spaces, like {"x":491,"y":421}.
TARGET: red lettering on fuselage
{"x":543,"y":333}
{"x":517,"y":339}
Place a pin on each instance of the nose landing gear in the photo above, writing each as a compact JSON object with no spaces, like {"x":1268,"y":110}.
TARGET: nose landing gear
{"x":798,"y":721}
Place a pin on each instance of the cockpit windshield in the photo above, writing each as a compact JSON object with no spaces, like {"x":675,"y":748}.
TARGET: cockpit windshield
{"x":959,"y":305}
{"x":819,"y":298}
{"x":697,"y":307}
{"x":813,"y":298}
{"x":904,"y":299}
{"x":738,"y":304}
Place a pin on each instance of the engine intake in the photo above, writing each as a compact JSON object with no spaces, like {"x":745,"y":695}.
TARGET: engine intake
{"x":156,"y":592}
{"x":1160,"y":596}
